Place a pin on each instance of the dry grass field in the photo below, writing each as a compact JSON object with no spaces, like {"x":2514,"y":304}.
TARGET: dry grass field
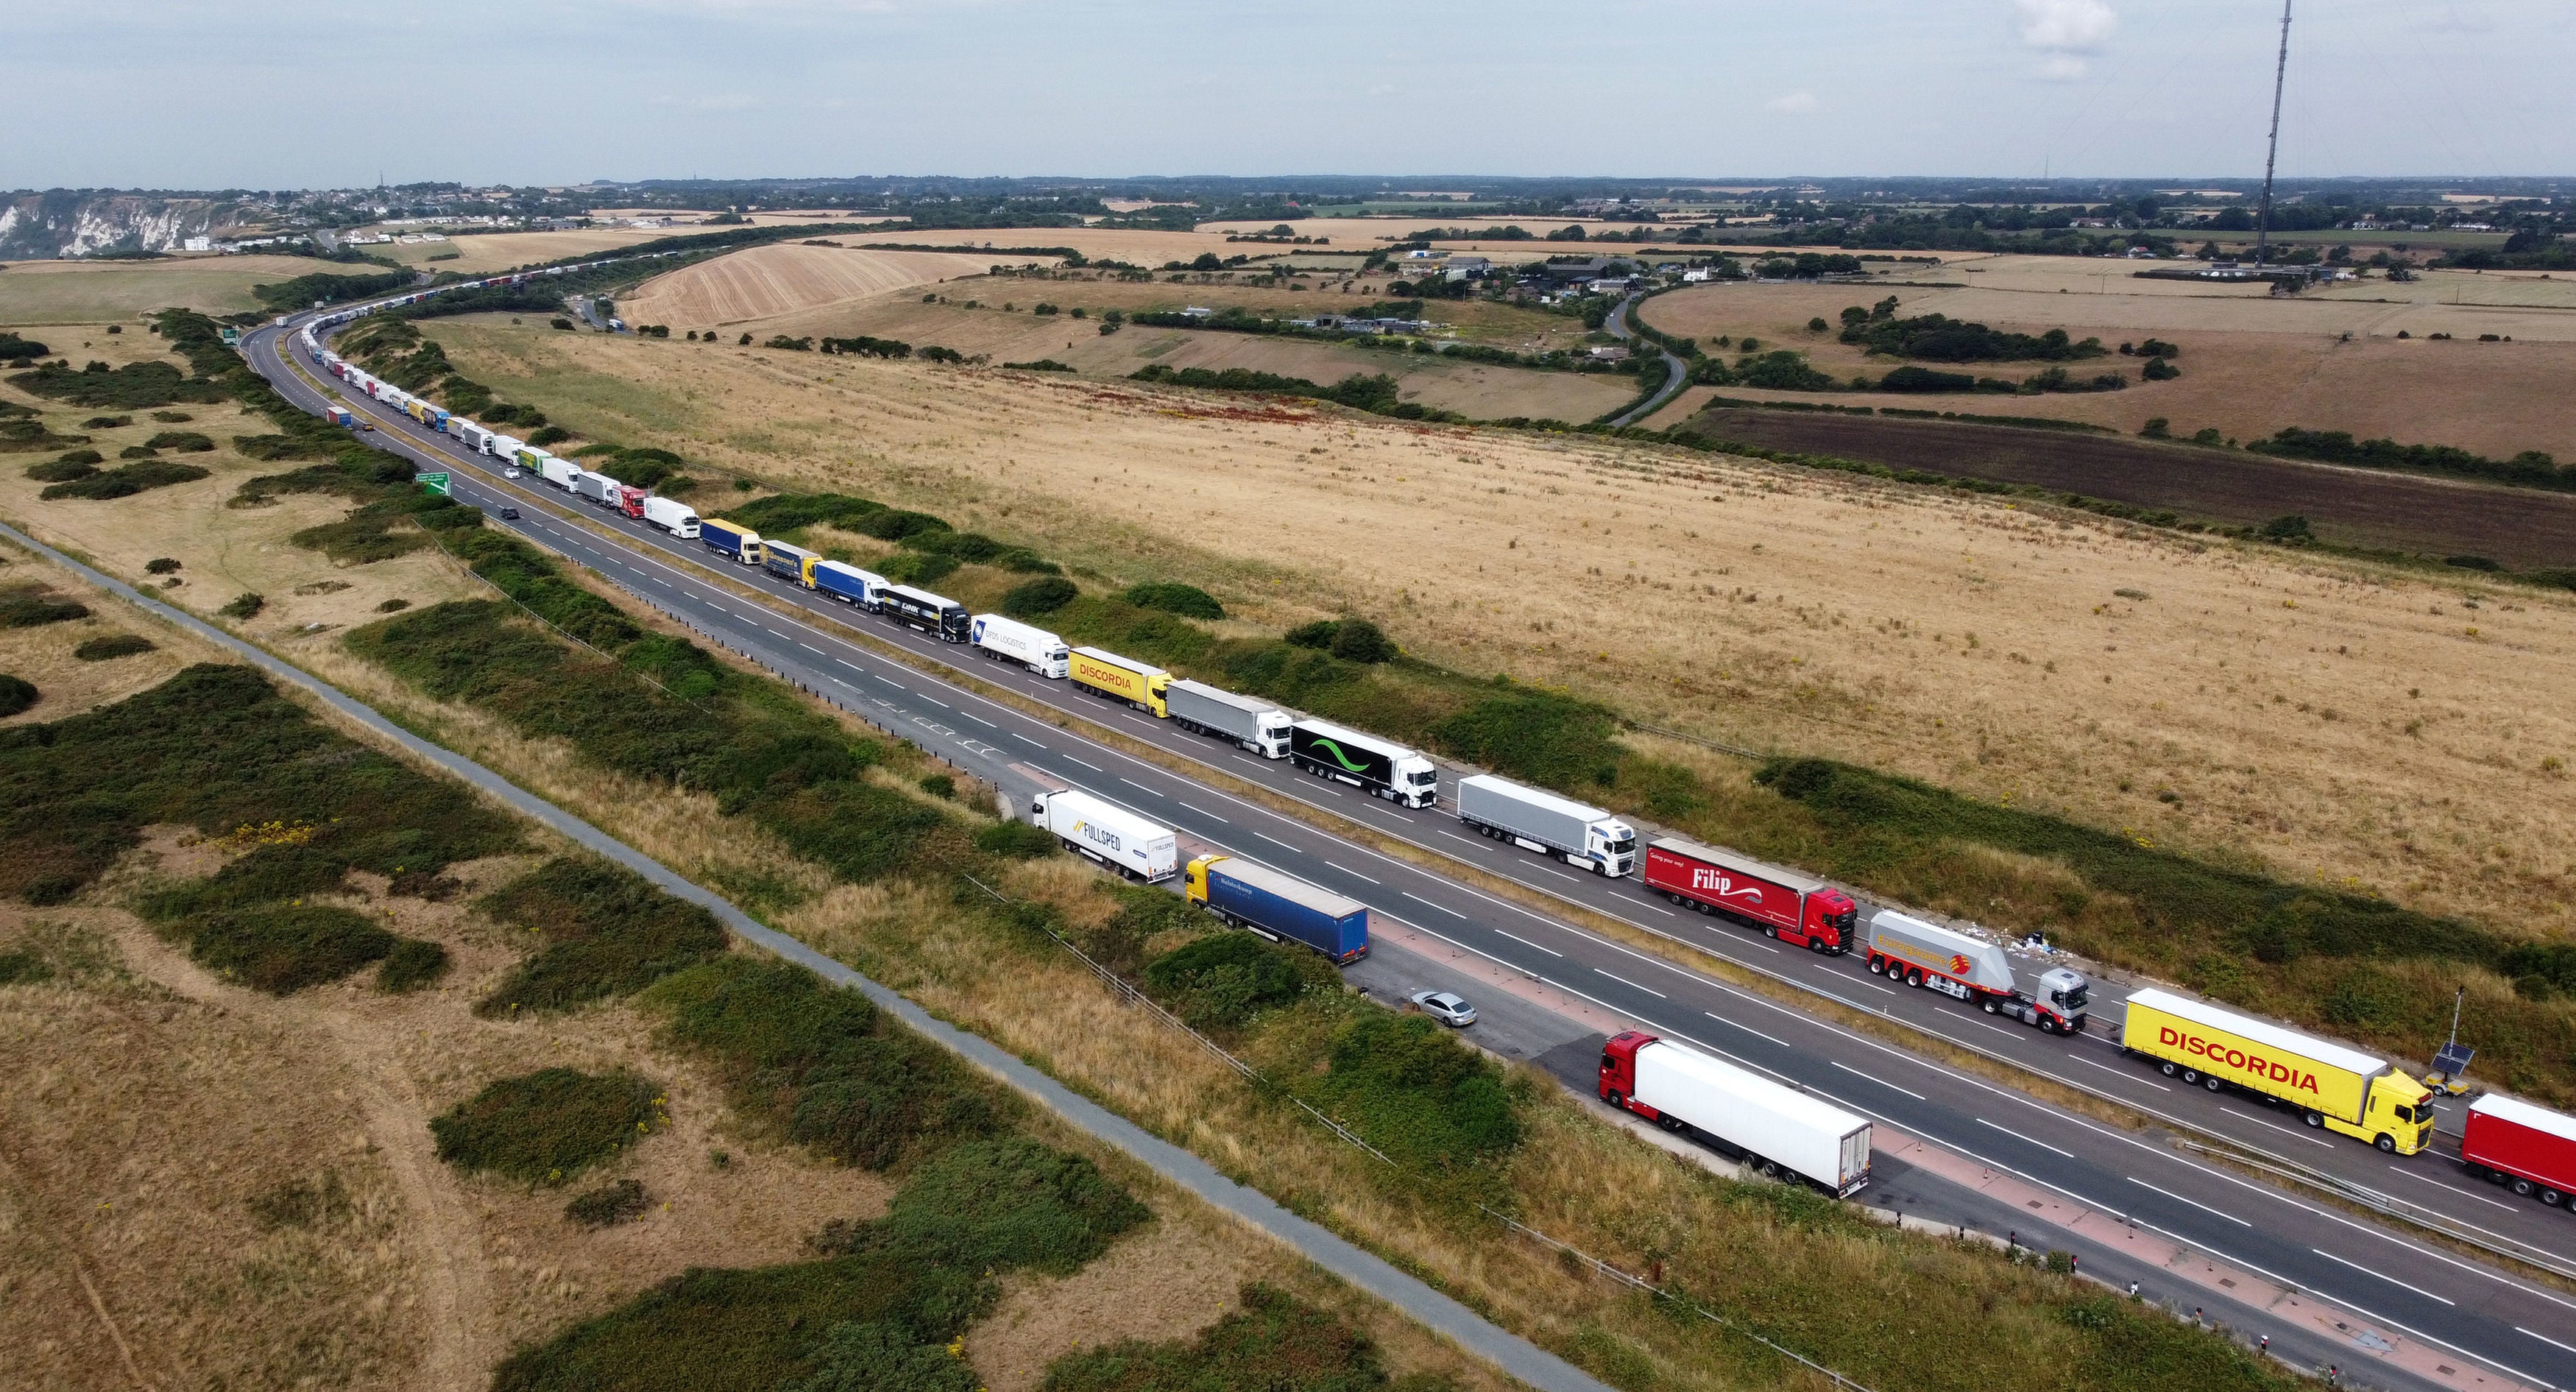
{"x":2251,"y":363}
{"x":2328,"y":719}
{"x":100,"y":292}
{"x":766,"y":282}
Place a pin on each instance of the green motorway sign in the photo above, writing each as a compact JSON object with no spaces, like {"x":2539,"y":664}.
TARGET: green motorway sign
{"x":435,"y":483}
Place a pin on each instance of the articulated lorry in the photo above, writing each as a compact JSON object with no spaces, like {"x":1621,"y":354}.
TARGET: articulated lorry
{"x":738,"y":544}
{"x":1774,"y":1129}
{"x":793,"y":564}
{"x":673,"y":516}
{"x":1009,"y":640}
{"x":598,"y":489}
{"x":1139,"y":684}
{"x":1256,"y":725}
{"x":2332,"y":1087}
{"x":474,"y":437}
{"x":1279,"y":907}
{"x":1582,"y":836}
{"x":849,"y":584}
{"x":1794,"y":908}
{"x":2530,"y":1150}
{"x":937,"y":615}
{"x":1391,"y":771}
{"x":505,"y":448}
{"x":1113,"y":836}
{"x":1971,"y":969}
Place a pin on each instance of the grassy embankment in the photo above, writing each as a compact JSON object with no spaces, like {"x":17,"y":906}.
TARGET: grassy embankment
{"x":885,"y":892}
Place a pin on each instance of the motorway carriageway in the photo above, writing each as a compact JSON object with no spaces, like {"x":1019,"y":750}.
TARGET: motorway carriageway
{"x":2521,"y":1328}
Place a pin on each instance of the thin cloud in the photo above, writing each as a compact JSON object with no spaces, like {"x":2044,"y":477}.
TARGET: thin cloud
{"x":2064,"y":32}
{"x":1794,"y":104}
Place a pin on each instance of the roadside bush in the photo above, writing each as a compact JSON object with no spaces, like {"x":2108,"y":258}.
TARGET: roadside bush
{"x":917,"y":567}
{"x":65,"y":469}
{"x":1539,"y":736}
{"x":17,"y":694}
{"x":1440,"y":1110}
{"x":1269,"y":1340}
{"x":608,"y":1205}
{"x":1007,"y":1203}
{"x":1910,"y":378}
{"x":112,"y":646}
{"x":283,"y":948}
{"x":1039,"y":597}
{"x":822,"y":1064}
{"x":882,"y":1357}
{"x":160,"y":565}
{"x":1188,"y":601}
{"x":544,"y":1127}
{"x":1015,"y":840}
{"x":412,"y":964}
{"x":243,"y":606}
{"x":1358,"y":640}
{"x":1222,"y":981}
{"x":30,"y":606}
{"x":606,"y":931}
{"x":549,"y":435}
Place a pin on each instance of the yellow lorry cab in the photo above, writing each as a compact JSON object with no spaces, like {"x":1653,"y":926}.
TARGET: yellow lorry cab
{"x":2331,"y":1086}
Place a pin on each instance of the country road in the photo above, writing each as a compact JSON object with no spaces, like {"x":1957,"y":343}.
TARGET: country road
{"x":1676,"y":372}
{"x":1512,"y":911}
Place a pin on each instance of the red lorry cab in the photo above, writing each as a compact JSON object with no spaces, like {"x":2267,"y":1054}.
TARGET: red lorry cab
{"x":1782,"y":903}
{"x":630,"y":499}
{"x":1619,"y":1071}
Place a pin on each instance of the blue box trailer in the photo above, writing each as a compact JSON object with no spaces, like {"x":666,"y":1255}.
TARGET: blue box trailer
{"x":1279,"y":906}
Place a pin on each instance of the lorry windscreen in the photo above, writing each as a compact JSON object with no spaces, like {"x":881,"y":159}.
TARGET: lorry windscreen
{"x":1622,"y":846}
{"x":2076,"y":999}
{"x":1423,"y":779}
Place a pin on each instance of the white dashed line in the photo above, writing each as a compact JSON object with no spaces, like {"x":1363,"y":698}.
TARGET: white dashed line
{"x":1869,"y":1078}
{"x":1649,"y":990}
{"x":1453,"y":913}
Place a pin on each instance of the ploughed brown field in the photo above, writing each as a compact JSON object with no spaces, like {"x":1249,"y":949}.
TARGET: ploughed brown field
{"x":2523,"y":528}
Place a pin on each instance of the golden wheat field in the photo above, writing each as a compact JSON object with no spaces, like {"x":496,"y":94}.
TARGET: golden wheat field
{"x":100,"y":292}
{"x":2337,"y":720}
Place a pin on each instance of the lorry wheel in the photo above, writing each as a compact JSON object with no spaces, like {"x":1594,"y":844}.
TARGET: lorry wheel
{"x":1993,"y":1009}
{"x":1877,"y":967}
{"x":2316,"y":1119}
{"x":2191,"y":1076}
{"x":2552,"y":1197}
{"x":1771,"y":933}
{"x":2213,"y":1084}
{"x":1914,"y":976}
{"x":2386,"y":1143}
{"x":1615,"y":1099}
{"x":2521,"y":1187}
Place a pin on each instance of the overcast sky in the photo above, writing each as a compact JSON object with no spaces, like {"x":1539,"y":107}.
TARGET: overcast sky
{"x":303,"y":93}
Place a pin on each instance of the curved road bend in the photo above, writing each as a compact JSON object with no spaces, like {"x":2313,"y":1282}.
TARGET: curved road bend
{"x":2519,"y":1328}
{"x":1676,"y":372}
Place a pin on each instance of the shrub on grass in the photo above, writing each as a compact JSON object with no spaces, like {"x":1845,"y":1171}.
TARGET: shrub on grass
{"x":125,"y":480}
{"x":16,"y":694}
{"x":1039,"y":597}
{"x":243,"y":606}
{"x":283,"y":948}
{"x":1351,"y":640}
{"x":606,"y":931}
{"x":1535,"y":735}
{"x":63,"y":470}
{"x":1006,"y":1203}
{"x":1442,"y":1111}
{"x":1223,"y":980}
{"x":28,"y":606}
{"x":608,"y":1205}
{"x":1271,"y":1340}
{"x":182,"y":441}
{"x":1015,"y":840}
{"x":544,"y":1127}
{"x":1189,"y":601}
{"x":112,"y":646}
{"x":882,"y":1356}
{"x":412,"y":964}
{"x":822,"y":1064}
{"x":917,"y":567}
{"x":160,"y":565}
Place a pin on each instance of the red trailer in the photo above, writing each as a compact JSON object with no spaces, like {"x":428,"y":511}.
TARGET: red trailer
{"x":630,"y":499}
{"x":1782,"y":903}
{"x":2530,"y":1150}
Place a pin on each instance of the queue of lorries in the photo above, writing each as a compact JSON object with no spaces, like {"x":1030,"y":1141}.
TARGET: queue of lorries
{"x":1777,"y":1129}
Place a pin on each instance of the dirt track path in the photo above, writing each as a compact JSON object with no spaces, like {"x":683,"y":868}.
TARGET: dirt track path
{"x":454,"y":1288}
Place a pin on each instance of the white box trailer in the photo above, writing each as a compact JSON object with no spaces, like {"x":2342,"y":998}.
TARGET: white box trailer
{"x":562,"y":473}
{"x":596,"y":488}
{"x":1113,"y":836}
{"x":504,"y":448}
{"x":1582,"y":836}
{"x":1775,"y":1129}
{"x":1256,"y":725}
{"x":475,"y":437}
{"x":673,"y":516}
{"x":1009,"y":640}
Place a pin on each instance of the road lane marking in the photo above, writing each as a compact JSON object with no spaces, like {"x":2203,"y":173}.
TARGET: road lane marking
{"x":1095,"y":768}
{"x":1211,"y":816}
{"x":2177,"y":1198}
{"x":2463,"y":1193}
{"x":1132,"y":783}
{"x":1882,"y":1082}
{"x":1748,"y":1029}
{"x":1453,"y":913}
{"x":2274,"y":1126}
{"x":1981,"y":1121}
{"x":1649,"y":990}
{"x":2125,"y":1073}
{"x":2366,"y":1271}
{"x":1515,"y":937}
{"x":1354,"y":874}
{"x":1275,"y":841}
{"x":2571,"y":1348}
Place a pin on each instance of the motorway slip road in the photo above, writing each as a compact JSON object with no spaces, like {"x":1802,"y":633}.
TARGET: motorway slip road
{"x":2514,"y":1326}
